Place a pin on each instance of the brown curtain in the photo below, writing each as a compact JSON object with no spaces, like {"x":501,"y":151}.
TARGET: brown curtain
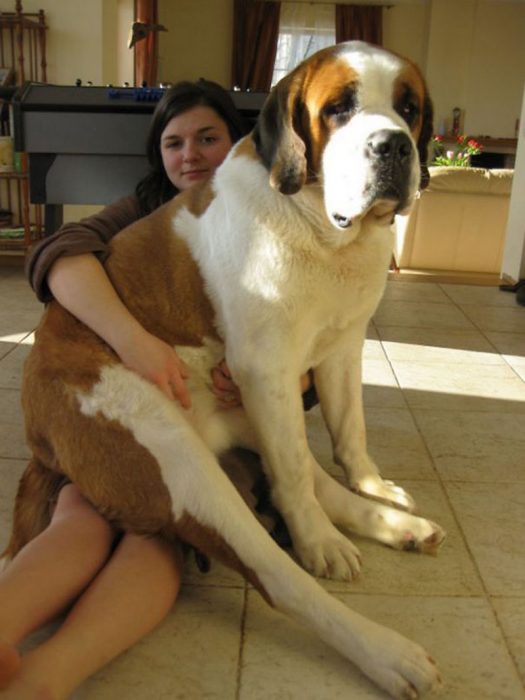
{"x":146,"y":50}
{"x":364,"y":22}
{"x":255,"y":34}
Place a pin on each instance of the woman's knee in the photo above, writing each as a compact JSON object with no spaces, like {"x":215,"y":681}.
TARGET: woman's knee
{"x":70,"y":500}
{"x":157,"y":554}
{"x":72,"y":505}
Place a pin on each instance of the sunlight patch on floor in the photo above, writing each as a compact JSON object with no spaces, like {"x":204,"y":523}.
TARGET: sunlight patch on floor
{"x":25,"y":338}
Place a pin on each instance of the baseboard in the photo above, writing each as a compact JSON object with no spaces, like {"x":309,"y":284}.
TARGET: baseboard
{"x":485,"y":279}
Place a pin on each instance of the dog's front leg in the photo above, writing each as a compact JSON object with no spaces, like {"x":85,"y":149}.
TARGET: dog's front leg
{"x":338,"y":381}
{"x":271,"y":397}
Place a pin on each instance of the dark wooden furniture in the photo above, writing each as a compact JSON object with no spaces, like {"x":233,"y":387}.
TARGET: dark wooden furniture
{"x":23,"y":57}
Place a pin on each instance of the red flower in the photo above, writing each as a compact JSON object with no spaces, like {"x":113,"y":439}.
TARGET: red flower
{"x":459,"y":155}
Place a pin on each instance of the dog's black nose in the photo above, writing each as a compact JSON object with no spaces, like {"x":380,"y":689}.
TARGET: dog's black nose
{"x":387,"y":145}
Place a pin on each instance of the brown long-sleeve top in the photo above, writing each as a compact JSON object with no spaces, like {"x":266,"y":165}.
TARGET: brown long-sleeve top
{"x":91,"y":235}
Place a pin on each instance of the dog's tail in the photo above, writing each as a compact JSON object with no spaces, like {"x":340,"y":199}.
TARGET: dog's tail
{"x":37,"y":492}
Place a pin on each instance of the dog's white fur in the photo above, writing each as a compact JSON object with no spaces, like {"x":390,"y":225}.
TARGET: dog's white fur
{"x":291,"y":291}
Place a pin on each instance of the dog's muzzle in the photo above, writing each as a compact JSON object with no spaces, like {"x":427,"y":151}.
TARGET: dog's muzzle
{"x":390,"y":154}
{"x":369,"y":174}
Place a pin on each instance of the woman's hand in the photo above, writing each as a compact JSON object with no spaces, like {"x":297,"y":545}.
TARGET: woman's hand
{"x":227,"y":392}
{"x":157,"y":362}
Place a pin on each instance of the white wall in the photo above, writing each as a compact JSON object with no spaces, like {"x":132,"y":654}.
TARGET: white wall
{"x":513,"y":265}
{"x":476,"y":61}
{"x":74,"y":39}
{"x":449,"y":40}
{"x":86,"y":39}
{"x":405,"y":30}
{"x":120,"y":37}
{"x":198,"y":41}
{"x":496,"y":68}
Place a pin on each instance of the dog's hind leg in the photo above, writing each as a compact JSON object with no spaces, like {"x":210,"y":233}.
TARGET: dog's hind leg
{"x":339,"y":387}
{"x":380,"y":522}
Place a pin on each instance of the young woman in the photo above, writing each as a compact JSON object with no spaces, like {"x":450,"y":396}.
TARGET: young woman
{"x":120,"y":585}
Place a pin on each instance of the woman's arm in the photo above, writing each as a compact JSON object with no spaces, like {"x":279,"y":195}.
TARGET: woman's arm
{"x":81,"y":286}
{"x":91,"y":235}
{"x":66,"y":266}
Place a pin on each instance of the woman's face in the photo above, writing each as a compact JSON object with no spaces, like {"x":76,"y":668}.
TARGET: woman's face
{"x":193,"y":145}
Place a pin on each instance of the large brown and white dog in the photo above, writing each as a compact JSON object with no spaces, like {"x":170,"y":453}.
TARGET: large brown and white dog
{"x":277,"y":264}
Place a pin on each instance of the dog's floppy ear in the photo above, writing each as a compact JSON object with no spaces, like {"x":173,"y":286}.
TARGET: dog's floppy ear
{"x":427,"y":127}
{"x":279,"y":145}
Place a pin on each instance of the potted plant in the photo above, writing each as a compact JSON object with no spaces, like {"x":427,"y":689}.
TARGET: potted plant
{"x":459,"y":154}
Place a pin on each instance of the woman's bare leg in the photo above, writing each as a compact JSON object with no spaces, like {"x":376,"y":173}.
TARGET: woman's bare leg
{"x":51,"y":570}
{"x":131,"y":594}
{"x":129,"y":597}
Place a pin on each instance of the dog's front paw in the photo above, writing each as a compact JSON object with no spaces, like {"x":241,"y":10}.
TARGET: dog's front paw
{"x":334,"y":557}
{"x":384,"y":491}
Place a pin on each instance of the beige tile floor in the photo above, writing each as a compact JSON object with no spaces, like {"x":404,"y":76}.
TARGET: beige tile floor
{"x":445,"y":403}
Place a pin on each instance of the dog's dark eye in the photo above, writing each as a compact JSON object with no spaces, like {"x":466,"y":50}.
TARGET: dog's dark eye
{"x":336,"y":109}
{"x":409,"y":110}
{"x":341,"y":110}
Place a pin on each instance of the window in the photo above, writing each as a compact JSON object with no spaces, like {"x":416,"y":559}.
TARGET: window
{"x":304,"y":28}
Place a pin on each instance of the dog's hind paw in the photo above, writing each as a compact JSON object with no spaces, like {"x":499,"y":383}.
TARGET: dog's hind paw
{"x":388,"y":492}
{"x":334,"y":557}
{"x":432,"y":543}
{"x":426,"y":537}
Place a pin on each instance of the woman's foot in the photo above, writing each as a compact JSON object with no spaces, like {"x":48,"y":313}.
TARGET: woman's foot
{"x":20,"y":690}
{"x":10,"y":662}
{"x":24,"y":683}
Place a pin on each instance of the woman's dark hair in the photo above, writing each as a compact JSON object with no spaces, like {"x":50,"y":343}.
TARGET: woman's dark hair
{"x":155,"y":188}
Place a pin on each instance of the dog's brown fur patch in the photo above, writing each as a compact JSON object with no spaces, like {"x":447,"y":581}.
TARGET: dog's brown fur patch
{"x":153,"y":257}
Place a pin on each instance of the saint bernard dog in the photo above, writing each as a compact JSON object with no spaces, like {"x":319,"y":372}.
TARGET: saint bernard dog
{"x":277,"y":265}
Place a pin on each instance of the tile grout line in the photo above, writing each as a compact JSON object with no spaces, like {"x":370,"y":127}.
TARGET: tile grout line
{"x":482,"y":332}
{"x":17,"y":344}
{"x":513,"y":659}
{"x":244,"y":614}
{"x":440,"y":479}
{"x":435,"y":469}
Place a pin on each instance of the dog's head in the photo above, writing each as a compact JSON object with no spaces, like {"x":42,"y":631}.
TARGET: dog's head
{"x":355,"y":119}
